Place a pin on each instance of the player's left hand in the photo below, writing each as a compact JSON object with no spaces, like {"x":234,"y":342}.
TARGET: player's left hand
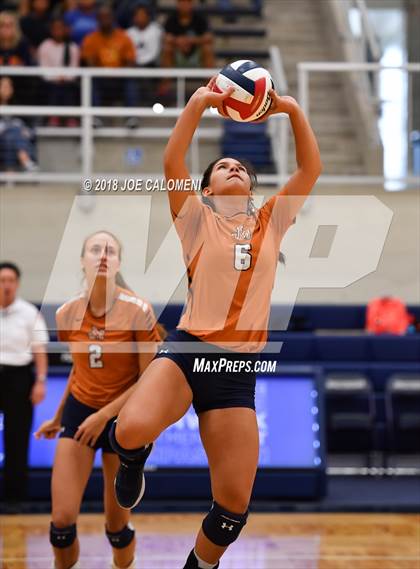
{"x":89,"y":431}
{"x":38,"y":392}
{"x":279,"y":104}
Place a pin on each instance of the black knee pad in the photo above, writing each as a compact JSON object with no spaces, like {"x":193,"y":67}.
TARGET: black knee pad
{"x":62,"y":537}
{"x":223,"y":527}
{"x":123,"y":453}
{"x":121,"y":539}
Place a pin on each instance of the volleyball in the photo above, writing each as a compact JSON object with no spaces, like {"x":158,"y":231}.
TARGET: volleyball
{"x":252,"y":82}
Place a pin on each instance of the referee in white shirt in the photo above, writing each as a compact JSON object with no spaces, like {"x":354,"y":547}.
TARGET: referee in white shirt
{"x":23,"y":370}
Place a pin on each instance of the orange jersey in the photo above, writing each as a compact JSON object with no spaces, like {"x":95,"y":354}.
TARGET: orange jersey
{"x":113,"y":50}
{"x":231,"y":263}
{"x":106,"y":350}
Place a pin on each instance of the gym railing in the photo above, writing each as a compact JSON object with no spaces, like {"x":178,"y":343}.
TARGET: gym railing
{"x":278,"y":129}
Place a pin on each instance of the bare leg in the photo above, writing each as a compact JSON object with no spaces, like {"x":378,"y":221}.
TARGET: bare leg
{"x":162,"y":397}
{"x":72,"y":467}
{"x":230,"y":438}
{"x":116,"y":517}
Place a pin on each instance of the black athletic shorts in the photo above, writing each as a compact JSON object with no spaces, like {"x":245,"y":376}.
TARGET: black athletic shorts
{"x":218,"y":378}
{"x":74,"y":413}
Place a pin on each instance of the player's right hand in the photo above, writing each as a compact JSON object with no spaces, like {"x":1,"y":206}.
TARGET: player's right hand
{"x":212,"y":98}
{"x":49,"y":429}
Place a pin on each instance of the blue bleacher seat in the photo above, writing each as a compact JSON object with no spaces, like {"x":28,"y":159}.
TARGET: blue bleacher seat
{"x":341,"y":348}
{"x":395,"y":348}
{"x":249,"y":141}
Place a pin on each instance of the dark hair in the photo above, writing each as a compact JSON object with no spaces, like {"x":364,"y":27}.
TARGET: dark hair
{"x":11,"y":266}
{"x":205,"y":181}
{"x":146,"y":7}
{"x":119,"y":280}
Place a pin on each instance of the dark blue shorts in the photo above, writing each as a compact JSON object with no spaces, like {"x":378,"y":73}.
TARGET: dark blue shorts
{"x":74,"y":413}
{"x":218,"y":378}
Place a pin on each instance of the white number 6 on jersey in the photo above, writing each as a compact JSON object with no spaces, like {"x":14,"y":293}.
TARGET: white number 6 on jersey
{"x":95,"y":356}
{"x":242,"y":257}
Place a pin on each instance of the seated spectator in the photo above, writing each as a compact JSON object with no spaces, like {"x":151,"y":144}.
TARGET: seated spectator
{"x":24,"y":6}
{"x":35,"y":26}
{"x":146,"y":35}
{"x":110,"y":46}
{"x":124,"y":10}
{"x":15,"y":51}
{"x":59,"y":51}
{"x":82,"y":20}
{"x":188,"y":41}
{"x":17,"y":150}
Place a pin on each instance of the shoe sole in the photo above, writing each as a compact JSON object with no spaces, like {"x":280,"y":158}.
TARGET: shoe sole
{"x":143,"y":488}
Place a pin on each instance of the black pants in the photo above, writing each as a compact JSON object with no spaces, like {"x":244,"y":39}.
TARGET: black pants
{"x":15,"y":388}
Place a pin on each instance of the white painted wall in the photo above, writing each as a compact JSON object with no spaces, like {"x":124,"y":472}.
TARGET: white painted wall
{"x":42,"y":229}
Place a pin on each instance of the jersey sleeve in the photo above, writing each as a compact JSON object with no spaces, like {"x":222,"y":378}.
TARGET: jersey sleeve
{"x":188,"y":221}
{"x":279,"y":211}
{"x":62,"y":324}
{"x":145,"y":324}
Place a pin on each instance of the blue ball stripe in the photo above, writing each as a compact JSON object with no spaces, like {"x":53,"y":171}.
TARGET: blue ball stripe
{"x":237,"y":77}
{"x":247,"y":66}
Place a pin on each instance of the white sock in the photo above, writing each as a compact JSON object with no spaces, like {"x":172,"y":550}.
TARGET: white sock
{"x":203,"y":564}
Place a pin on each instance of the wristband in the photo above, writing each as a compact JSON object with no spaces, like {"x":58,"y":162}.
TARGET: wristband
{"x":41,"y":378}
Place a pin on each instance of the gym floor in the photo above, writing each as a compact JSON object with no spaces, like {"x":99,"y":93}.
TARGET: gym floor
{"x":269,"y":541}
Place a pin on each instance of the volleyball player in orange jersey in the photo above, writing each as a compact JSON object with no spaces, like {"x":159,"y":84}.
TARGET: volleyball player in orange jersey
{"x":109,"y":329}
{"x":231,"y":252}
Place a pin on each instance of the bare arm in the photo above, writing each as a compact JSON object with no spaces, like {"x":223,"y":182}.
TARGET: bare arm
{"x":41,"y":363}
{"x":51,"y":427}
{"x":308,"y":158}
{"x":41,"y":368}
{"x":175,"y":153}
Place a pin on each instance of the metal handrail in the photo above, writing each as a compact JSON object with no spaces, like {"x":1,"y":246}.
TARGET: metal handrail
{"x":369,"y":32}
{"x":86,"y":112}
{"x":280,"y":128}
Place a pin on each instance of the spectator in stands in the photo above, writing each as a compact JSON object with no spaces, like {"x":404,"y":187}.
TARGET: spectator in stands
{"x":13,"y":49}
{"x":124,"y":10}
{"x":82,"y":20}
{"x":17,"y":150}
{"x":146,"y":35}
{"x":59,"y":51}
{"x":35,"y":25}
{"x":22,"y":344}
{"x":110,"y":46}
{"x":24,"y":7}
{"x":188,"y":41}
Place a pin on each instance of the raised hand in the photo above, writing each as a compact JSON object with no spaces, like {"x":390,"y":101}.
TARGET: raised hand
{"x":279,"y":104}
{"x":212,"y":98}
